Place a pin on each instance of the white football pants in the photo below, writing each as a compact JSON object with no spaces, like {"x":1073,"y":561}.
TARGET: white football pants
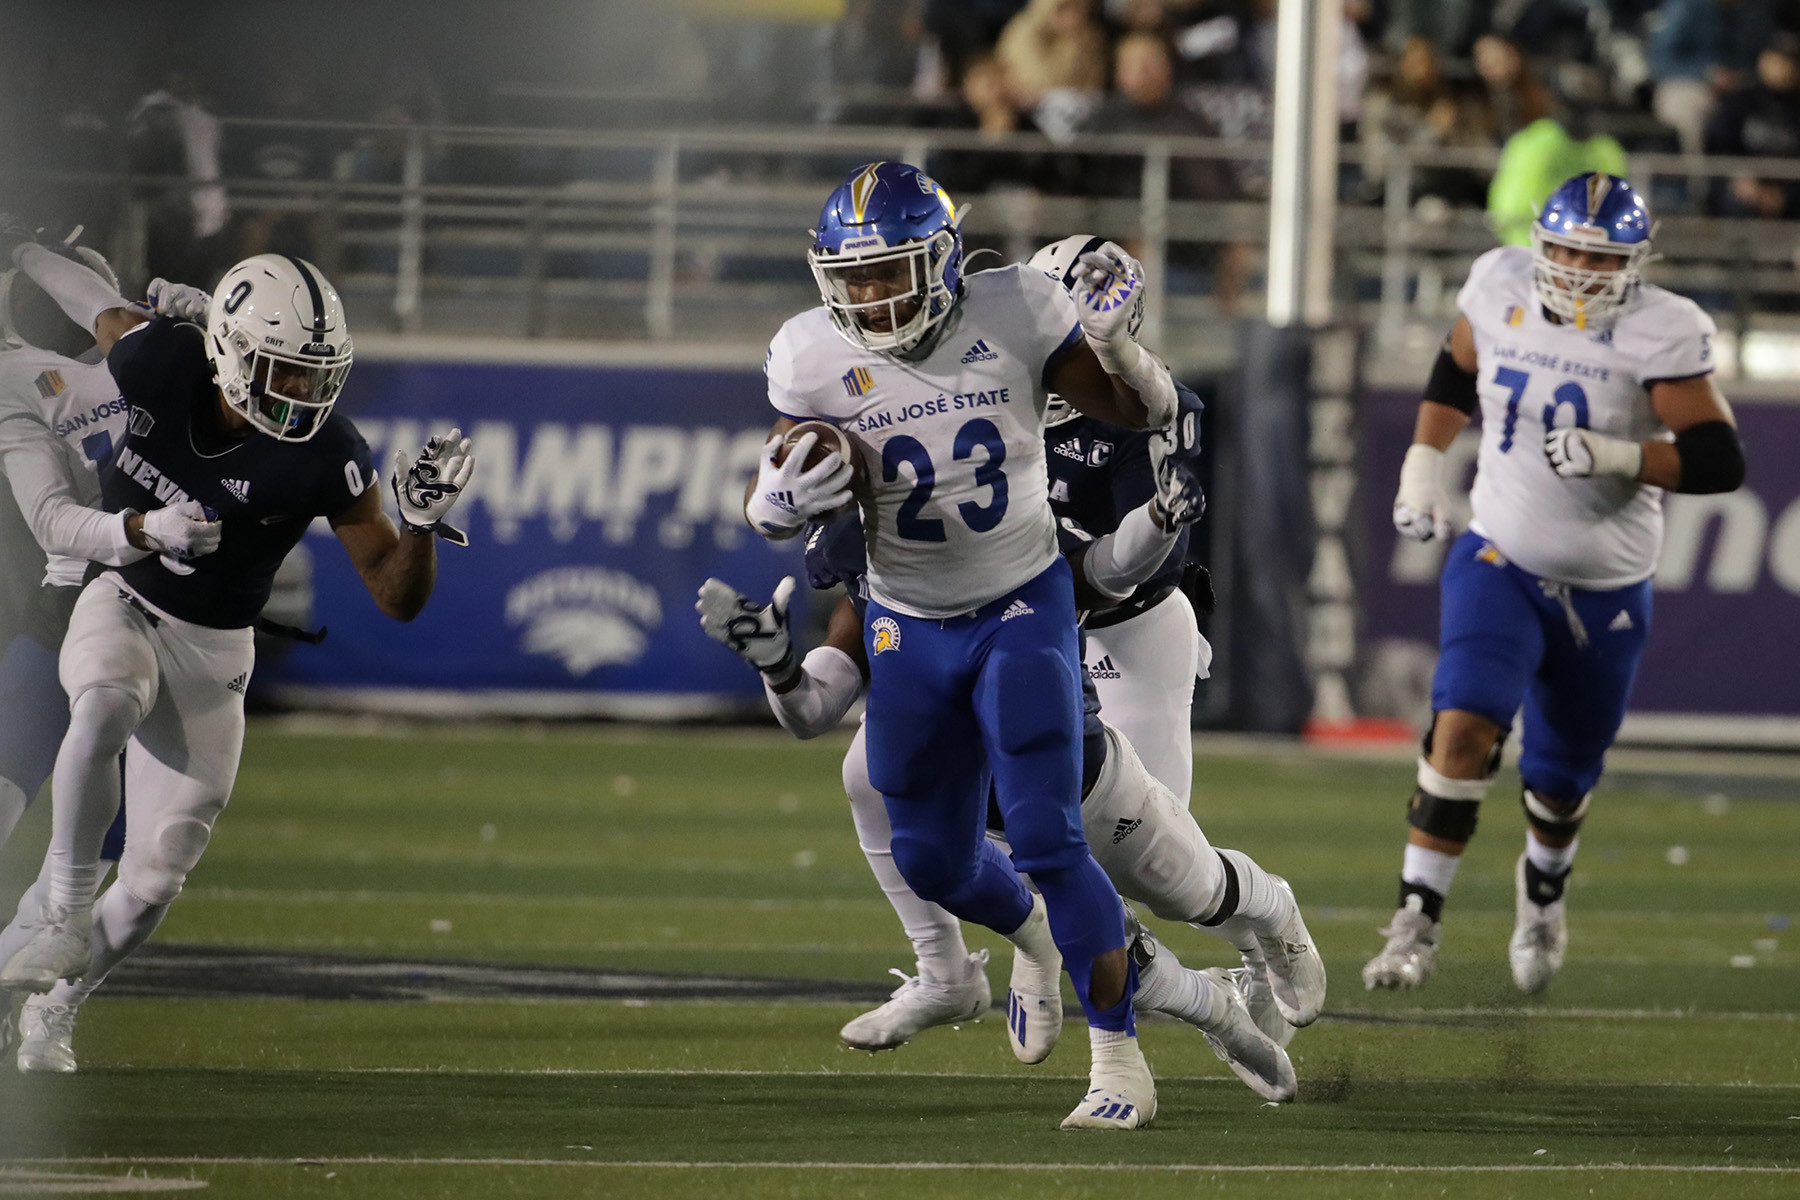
{"x":1144,"y":670}
{"x":171,"y":694}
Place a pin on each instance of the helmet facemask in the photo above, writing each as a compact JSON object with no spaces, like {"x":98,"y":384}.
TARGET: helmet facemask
{"x":285,"y":396}
{"x":912,"y":277}
{"x":1579,"y":295}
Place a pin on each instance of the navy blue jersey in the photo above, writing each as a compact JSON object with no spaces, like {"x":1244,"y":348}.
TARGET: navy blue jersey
{"x":265,"y":491}
{"x":1100,"y":472}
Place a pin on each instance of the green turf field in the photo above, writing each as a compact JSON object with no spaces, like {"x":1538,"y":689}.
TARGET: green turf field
{"x":1654,"y":1067}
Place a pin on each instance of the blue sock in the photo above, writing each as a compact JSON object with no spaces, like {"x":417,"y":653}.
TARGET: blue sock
{"x":1087,"y":920}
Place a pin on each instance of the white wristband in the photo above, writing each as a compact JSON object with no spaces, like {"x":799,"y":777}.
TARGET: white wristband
{"x":1615,"y":456}
{"x":1144,"y":374}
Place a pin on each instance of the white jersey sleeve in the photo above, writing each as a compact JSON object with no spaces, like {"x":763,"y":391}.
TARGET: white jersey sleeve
{"x":1055,"y":322}
{"x":36,"y":469}
{"x":782,"y":367}
{"x":1668,"y":336}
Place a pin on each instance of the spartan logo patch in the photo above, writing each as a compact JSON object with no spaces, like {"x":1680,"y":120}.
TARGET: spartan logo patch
{"x":885,"y":633}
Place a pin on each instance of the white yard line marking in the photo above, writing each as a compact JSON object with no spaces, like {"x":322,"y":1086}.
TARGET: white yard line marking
{"x":1234,"y":1168}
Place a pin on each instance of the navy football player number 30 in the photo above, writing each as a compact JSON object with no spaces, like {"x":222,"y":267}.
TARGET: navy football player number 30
{"x":1514,"y":381}
{"x":980,"y":517}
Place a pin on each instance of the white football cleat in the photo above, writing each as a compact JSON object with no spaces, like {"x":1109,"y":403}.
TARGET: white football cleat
{"x":1296,"y":972}
{"x":1410,"y":956}
{"x":1250,"y":1053}
{"x":46,"y":1037}
{"x":1034,"y":1009}
{"x":60,"y":949}
{"x":1121,"y":1091}
{"x":917,"y":1005}
{"x":1253,"y":981}
{"x":1540,"y":938}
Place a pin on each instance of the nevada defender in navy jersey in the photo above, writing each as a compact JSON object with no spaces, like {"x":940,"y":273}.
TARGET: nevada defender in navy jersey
{"x":1144,"y":650}
{"x":231,"y":426}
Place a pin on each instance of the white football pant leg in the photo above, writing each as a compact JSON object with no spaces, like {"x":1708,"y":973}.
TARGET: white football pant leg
{"x":110,"y":670}
{"x":1147,"y":841}
{"x":1144,"y":670}
{"x":935,"y":934}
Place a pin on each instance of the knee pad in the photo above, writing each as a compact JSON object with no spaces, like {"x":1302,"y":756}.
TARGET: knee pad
{"x":1031,"y":696}
{"x":926,"y":869}
{"x":1444,"y":807}
{"x":1559,"y":820}
{"x":156,"y":869}
{"x":1146,"y":840}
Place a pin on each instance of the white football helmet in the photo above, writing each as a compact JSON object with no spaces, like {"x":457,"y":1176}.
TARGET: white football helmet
{"x":10,"y":337}
{"x":279,"y":345}
{"x":1058,"y":260}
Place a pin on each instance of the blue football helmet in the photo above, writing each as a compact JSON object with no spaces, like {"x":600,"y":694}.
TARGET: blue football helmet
{"x":1593,"y":212}
{"x":887,"y":256}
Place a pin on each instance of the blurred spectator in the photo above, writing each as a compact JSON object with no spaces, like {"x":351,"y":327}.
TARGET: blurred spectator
{"x":1514,"y":95}
{"x":989,"y":108}
{"x":1698,"y":49}
{"x":966,"y":30}
{"x":1053,"y":44}
{"x":1535,"y":161}
{"x":1764,"y":121}
{"x":1418,"y":110}
{"x":286,"y":221}
{"x":171,"y":134}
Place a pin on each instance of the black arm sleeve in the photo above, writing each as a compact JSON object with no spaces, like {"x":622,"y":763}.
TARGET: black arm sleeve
{"x":1712,"y":458}
{"x":1451,"y":385}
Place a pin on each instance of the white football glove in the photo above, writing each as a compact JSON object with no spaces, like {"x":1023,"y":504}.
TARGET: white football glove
{"x":1421,"y":509}
{"x":1579,"y":453}
{"x":427,"y":488}
{"x":181,"y":531}
{"x":1109,"y":291}
{"x":177,"y":300}
{"x":757,"y":633}
{"x":1179,"y":499}
{"x":787,"y":495}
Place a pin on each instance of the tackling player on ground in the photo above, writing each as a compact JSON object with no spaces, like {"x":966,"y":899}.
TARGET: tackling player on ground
{"x":971,"y":637}
{"x":230,"y":425}
{"x":1596,"y":396}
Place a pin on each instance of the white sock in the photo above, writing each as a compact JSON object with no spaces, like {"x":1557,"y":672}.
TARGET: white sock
{"x":1259,"y":897}
{"x":84,"y":793}
{"x":122,"y":923}
{"x":1108,"y":1043}
{"x":935,"y":934}
{"x":1168,"y":987}
{"x":1549,"y":859}
{"x":1429,"y":868}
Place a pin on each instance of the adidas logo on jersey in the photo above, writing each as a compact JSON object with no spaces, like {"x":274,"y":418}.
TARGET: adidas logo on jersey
{"x":1071,"y":449}
{"x":1104,"y":669}
{"x":979,"y":352}
{"x":237,"y":685}
{"x":1018,"y":608}
{"x":1621,"y":622}
{"x":1125,"y":828}
{"x":239,"y":488}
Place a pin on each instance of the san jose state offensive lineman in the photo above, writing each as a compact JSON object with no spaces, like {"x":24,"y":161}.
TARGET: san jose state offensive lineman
{"x":1596,"y":396}
{"x":971,"y":620}
{"x":232,"y":424}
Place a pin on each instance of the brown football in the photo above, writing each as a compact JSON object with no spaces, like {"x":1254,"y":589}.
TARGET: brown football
{"x":830,"y":439}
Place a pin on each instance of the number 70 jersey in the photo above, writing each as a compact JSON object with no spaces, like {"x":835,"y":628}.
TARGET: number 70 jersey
{"x":1536,"y":375}
{"x":952,"y":441}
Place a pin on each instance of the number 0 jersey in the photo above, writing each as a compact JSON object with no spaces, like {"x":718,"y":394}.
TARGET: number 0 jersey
{"x":266,"y":492}
{"x":1536,"y":375}
{"x":953,"y":442}
{"x":77,"y":404}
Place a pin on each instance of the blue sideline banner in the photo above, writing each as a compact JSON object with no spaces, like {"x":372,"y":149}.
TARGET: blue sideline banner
{"x":602,"y":498}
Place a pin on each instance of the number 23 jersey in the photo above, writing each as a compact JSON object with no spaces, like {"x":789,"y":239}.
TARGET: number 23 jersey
{"x":1536,"y":375}
{"x":953,"y":442}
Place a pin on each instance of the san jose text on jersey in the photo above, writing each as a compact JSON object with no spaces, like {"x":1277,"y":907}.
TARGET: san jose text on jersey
{"x":265,"y":491}
{"x":1537,"y":375}
{"x":954,"y":439}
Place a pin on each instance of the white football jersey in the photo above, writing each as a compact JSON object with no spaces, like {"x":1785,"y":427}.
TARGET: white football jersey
{"x":953,"y":442}
{"x":1536,"y":375}
{"x":79,"y":404}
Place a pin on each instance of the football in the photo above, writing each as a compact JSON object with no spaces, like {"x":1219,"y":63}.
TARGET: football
{"x":831,"y":439}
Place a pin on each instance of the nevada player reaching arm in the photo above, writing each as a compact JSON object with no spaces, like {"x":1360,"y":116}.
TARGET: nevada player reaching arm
{"x":1596,"y":395}
{"x":232,"y":424}
{"x":942,"y":381}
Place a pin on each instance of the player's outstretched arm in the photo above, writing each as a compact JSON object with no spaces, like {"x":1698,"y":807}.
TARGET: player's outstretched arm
{"x":88,"y":300}
{"x":1117,"y":562}
{"x":31,"y":457}
{"x":808,"y":697}
{"x":1421,"y":506}
{"x":399,"y":569}
{"x":1706,"y":455}
{"x":1108,"y":375}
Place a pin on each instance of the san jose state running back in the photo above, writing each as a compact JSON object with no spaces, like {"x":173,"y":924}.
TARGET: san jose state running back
{"x":231,"y":427}
{"x":942,"y":381}
{"x":1596,"y":396}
